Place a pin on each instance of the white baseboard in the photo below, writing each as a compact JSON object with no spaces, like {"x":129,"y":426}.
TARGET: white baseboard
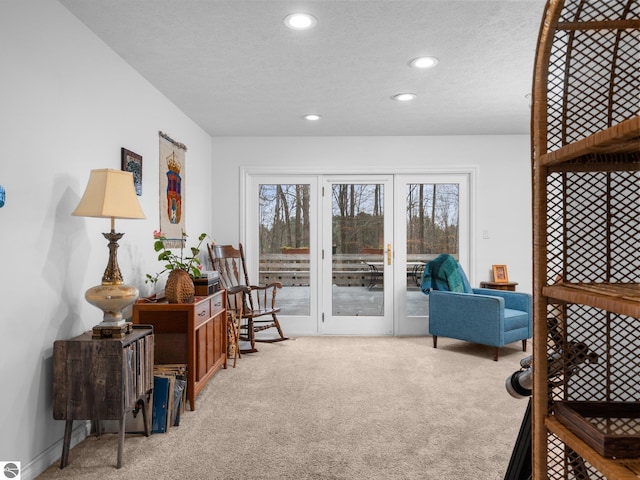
{"x":53,"y":453}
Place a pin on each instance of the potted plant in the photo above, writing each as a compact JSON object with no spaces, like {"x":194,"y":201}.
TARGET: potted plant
{"x":182,"y":268}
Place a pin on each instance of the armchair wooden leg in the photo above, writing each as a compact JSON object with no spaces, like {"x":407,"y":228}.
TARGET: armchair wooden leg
{"x":524,"y":345}
{"x":435,"y":341}
{"x":495,"y":354}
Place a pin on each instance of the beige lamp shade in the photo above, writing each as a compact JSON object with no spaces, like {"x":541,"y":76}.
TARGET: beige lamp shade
{"x":109,"y":194}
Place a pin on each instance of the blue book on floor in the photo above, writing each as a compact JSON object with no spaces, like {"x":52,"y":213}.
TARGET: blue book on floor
{"x":160,"y":404}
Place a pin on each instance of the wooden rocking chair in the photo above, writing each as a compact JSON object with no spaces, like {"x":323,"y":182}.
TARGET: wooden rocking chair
{"x":259,"y":301}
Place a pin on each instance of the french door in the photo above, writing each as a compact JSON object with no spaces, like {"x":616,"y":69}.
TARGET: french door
{"x":432,"y":216}
{"x":349,"y":250}
{"x":357,"y":241}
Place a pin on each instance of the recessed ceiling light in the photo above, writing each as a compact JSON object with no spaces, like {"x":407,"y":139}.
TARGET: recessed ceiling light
{"x":300,"y":21}
{"x":312,"y":117}
{"x":404,"y":97}
{"x":424,"y":62}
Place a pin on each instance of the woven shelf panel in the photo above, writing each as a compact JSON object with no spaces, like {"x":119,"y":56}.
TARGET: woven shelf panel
{"x":614,"y":339}
{"x":593,"y":77}
{"x":555,"y":230}
{"x":596,"y":212}
{"x":561,"y":459}
{"x":612,"y":375}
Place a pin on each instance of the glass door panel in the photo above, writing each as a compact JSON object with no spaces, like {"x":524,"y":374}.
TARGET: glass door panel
{"x":284,"y":238}
{"x":358,"y":297}
{"x":432,"y":217}
{"x":432,"y":228}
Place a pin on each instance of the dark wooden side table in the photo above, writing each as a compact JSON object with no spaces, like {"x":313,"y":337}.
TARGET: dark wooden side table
{"x":102,"y":379}
{"x":510,"y":286}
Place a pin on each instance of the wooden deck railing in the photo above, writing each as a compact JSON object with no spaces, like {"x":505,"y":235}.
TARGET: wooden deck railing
{"x":348,"y":269}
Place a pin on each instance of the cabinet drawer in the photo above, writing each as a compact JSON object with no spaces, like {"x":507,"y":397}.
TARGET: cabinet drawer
{"x":203,"y":312}
{"x":217,"y":304}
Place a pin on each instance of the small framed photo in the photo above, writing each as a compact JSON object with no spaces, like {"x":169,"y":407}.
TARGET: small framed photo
{"x":500,"y":274}
{"x":132,"y":162}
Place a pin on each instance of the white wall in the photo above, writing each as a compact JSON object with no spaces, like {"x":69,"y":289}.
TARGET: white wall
{"x":69,"y":104}
{"x":503,"y":196}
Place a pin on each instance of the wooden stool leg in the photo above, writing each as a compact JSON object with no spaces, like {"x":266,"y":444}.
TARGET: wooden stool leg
{"x":121,"y":442}
{"x":68,"y":428}
{"x":143,"y":404}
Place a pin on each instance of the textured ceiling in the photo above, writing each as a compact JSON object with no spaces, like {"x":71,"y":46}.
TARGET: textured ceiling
{"x":236,"y":70}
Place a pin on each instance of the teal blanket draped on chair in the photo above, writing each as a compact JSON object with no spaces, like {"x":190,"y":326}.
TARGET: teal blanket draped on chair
{"x":444,"y":273}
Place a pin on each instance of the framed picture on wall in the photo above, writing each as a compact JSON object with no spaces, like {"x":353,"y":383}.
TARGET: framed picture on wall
{"x":132,"y":162}
{"x":500,"y":274}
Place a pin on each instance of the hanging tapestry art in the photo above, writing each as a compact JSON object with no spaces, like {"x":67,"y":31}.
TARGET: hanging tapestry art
{"x":172,"y":188}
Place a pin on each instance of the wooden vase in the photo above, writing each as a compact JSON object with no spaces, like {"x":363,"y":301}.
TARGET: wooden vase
{"x":179,"y":287}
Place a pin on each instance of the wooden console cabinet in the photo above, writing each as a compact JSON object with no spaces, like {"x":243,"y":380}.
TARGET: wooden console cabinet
{"x":102,"y":379}
{"x":191,"y":333}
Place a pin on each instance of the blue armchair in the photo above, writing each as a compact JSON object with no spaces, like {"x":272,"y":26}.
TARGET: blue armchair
{"x":478,"y":315}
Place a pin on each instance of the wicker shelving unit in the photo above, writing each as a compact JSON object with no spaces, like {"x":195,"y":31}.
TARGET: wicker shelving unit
{"x":586,"y":214}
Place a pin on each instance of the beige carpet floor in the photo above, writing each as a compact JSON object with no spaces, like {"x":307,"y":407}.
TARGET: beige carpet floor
{"x":356,"y":408}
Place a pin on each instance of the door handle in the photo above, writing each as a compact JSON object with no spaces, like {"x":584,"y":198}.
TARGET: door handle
{"x":388,"y":254}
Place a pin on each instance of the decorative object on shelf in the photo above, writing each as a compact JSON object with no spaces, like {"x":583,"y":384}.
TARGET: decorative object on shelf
{"x":132,"y":162}
{"x":182,"y":269}
{"x":110,"y":194}
{"x":500,"y":274}
{"x":2,"y":196}
{"x":172,"y":190}
{"x":179,"y":287}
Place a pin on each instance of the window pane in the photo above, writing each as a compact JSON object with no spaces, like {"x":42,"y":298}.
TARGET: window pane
{"x":357,"y":261}
{"x":432,"y":229}
{"x":284,"y":244}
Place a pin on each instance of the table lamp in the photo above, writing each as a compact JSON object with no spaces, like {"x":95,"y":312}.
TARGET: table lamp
{"x":110,"y":194}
